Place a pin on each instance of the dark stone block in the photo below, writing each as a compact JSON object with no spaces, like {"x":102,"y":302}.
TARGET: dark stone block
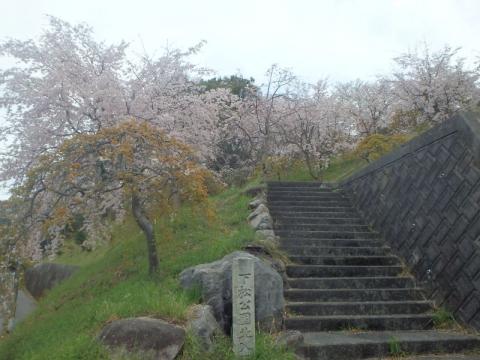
{"x":465,"y":246}
{"x":451,"y":213}
{"x":457,"y":150}
{"x":472,"y":174}
{"x":472,"y":267}
{"x":43,"y":277}
{"x":470,"y":305}
{"x":425,"y":198}
{"x":461,"y":193}
{"x":441,"y":154}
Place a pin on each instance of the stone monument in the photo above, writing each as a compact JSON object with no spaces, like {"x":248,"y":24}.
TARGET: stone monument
{"x":243,"y":300}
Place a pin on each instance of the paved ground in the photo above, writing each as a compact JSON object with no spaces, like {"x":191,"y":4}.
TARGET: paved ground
{"x":25,"y":305}
{"x":433,"y":357}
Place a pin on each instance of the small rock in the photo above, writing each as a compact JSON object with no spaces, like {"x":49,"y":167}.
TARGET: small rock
{"x":266,"y":235}
{"x":291,"y":339}
{"x":203,"y":325}
{"x":256,"y":203}
{"x":45,"y":276}
{"x":144,"y":334}
{"x":260,"y":219}
{"x":262,"y":208}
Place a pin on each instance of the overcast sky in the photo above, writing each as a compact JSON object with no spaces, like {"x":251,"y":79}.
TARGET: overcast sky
{"x":341,"y":39}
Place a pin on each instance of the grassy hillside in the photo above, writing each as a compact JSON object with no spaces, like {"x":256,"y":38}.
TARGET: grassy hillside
{"x":340,"y":168}
{"x":344,"y":165}
{"x":113,"y":283}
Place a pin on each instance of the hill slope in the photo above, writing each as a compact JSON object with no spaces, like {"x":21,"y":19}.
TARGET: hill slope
{"x":113,"y":283}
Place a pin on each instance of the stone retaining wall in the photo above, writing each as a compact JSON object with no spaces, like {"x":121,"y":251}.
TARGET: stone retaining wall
{"x":425,"y":200}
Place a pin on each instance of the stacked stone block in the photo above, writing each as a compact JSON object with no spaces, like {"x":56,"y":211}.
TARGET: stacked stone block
{"x":424,"y":199}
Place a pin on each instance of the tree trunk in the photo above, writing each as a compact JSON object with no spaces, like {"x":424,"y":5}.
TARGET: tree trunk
{"x":11,"y":321}
{"x":145,"y":224}
{"x":311,"y":171}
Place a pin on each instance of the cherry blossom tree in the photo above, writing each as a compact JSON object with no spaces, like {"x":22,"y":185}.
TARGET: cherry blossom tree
{"x":66,"y":83}
{"x":314,"y":128}
{"x":367,"y":105}
{"x":269,"y":108}
{"x":433,"y":85}
{"x":132,"y":164}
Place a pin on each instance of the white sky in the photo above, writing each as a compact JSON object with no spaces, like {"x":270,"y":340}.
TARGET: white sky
{"x":341,"y":39}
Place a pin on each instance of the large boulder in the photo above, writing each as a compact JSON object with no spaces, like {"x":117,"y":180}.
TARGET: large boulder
{"x":156,"y":338}
{"x":261,"y":219}
{"x":203,"y":325}
{"x":215,"y":282}
{"x":43,"y":277}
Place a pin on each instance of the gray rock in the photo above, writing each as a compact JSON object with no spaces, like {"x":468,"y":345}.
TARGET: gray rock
{"x":43,"y":277}
{"x":291,"y":339}
{"x":256,"y":203}
{"x":215,"y":282}
{"x":262,"y":208}
{"x":279,"y":265}
{"x":260,"y":219}
{"x":267,"y":236}
{"x":203,"y":325}
{"x":153,"y":336}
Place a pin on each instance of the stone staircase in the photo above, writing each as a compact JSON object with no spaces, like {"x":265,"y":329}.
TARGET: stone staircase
{"x":347,"y":292}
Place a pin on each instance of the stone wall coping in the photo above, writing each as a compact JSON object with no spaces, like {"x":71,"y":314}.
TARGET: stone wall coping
{"x":467,"y":123}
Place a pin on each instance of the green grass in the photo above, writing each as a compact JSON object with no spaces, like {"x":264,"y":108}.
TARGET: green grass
{"x":340,"y":168}
{"x":444,"y":319}
{"x":113,"y":283}
{"x":394,"y":348}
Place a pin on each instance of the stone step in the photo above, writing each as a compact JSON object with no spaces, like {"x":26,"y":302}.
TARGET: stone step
{"x":319,"y":221}
{"x":379,"y":294}
{"x":346,"y":278}
{"x":346,"y":260}
{"x":376,"y":282}
{"x":299,"y":241}
{"x":336,"y":251}
{"x":359,"y":308}
{"x":347,"y":345}
{"x":319,"y":234}
{"x":469,"y":356}
{"x":304,"y":195}
{"x":360,"y":322}
{"x":308,"y":202}
{"x":322,"y":227}
{"x":341,"y":271}
{"x":301,"y":190}
{"x":293,"y":184}
{"x":274,"y":208}
{"x":316,"y":214}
